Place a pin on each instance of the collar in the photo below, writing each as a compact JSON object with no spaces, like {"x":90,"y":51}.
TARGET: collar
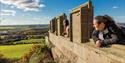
{"x":105,"y":31}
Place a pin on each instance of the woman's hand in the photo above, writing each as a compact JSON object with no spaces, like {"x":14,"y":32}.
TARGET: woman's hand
{"x":98,"y":43}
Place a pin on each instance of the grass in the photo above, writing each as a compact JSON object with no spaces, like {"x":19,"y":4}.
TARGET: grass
{"x":14,"y":51}
{"x":6,"y":28}
{"x":32,"y":40}
{"x":41,"y":55}
{"x":29,"y":41}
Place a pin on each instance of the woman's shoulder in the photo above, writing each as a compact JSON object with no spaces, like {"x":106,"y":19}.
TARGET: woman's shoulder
{"x":114,"y":30}
{"x":111,"y":29}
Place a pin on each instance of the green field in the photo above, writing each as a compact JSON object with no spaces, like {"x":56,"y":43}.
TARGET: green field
{"x":7,"y":27}
{"x":29,"y":41}
{"x":32,"y":40}
{"x":14,"y":51}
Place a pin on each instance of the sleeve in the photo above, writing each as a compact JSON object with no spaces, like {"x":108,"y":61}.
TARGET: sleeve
{"x":95,"y":36}
{"x":112,"y":40}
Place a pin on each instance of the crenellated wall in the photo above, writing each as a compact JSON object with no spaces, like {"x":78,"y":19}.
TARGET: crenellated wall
{"x":65,"y":51}
{"x":79,"y":47}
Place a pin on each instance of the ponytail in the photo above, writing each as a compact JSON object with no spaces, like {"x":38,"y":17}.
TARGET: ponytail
{"x":111,"y":23}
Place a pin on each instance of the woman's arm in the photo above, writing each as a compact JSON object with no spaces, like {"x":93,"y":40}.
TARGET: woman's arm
{"x":95,"y":36}
{"x":96,"y":39}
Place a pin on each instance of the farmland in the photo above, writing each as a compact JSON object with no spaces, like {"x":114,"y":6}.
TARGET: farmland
{"x":20,"y":42}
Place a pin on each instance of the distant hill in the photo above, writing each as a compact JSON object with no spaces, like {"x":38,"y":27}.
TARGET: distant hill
{"x":26,"y":25}
{"x":33,"y":26}
{"x":122,"y":24}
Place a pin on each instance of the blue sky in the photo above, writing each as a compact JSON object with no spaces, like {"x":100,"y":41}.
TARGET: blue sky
{"x":18,"y":12}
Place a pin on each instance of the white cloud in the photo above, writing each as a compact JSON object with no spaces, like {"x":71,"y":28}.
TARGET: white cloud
{"x":26,"y":5}
{"x":36,"y":18}
{"x":115,"y":7}
{"x":12,"y":7}
{"x":7,"y":12}
{"x":40,"y":18}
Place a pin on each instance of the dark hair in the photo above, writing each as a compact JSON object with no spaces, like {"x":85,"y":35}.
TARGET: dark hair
{"x":110,"y":24}
{"x":107,"y":20}
{"x":66,"y":22}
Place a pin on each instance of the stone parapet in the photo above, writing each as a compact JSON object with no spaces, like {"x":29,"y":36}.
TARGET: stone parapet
{"x":73,"y":52}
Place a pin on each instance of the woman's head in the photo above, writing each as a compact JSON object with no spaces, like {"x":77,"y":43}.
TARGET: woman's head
{"x":102,"y":22}
{"x":65,"y":22}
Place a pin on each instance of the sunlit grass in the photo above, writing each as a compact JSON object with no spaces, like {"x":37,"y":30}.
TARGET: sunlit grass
{"x":14,"y":51}
{"x":7,"y":27}
{"x":30,"y":41}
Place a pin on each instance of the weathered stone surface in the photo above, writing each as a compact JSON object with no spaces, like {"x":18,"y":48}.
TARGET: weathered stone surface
{"x":60,"y":20}
{"x":66,"y":51}
{"x":81,"y":23}
{"x":53,"y":26}
{"x":73,"y":51}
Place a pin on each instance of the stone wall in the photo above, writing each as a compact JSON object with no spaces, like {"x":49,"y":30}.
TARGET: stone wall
{"x":65,"y":51}
{"x":53,"y":24}
{"x":60,"y":20}
{"x":56,"y":24}
{"x":81,"y":23}
{"x":78,"y":48}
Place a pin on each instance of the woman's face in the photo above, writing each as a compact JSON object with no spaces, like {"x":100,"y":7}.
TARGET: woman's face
{"x":97,"y":26}
{"x":64,"y":23}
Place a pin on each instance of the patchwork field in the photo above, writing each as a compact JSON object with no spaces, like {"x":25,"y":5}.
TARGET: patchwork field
{"x":24,"y":44}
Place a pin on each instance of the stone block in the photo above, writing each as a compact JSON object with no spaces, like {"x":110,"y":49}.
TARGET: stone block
{"x":81,"y":23}
{"x":60,"y":27}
